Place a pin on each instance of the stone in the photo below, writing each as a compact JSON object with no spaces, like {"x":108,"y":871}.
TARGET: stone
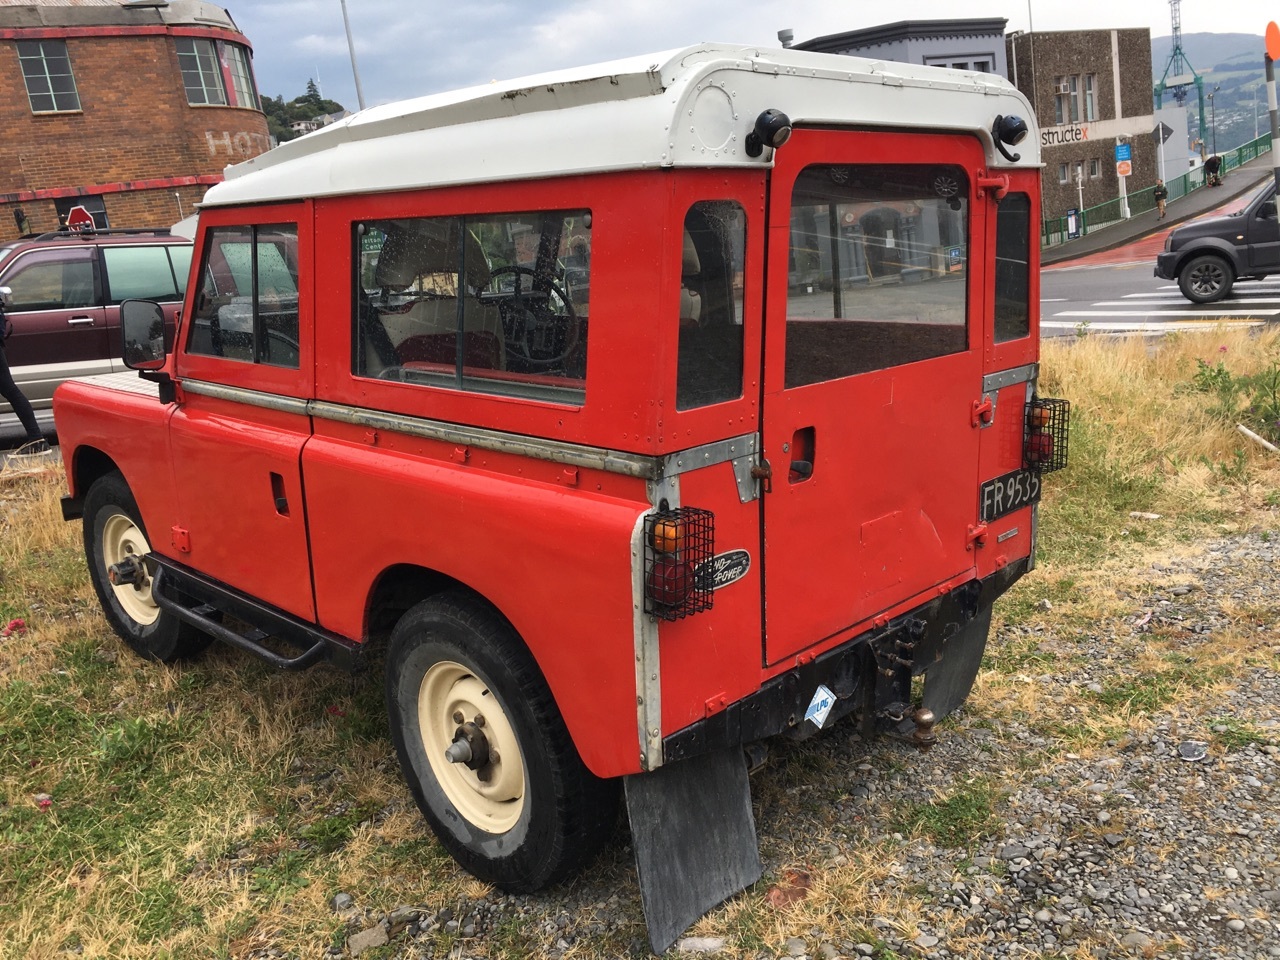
{"x":1236,"y":925}
{"x":700,"y":945}
{"x":925,"y":941}
{"x":796,"y":947}
{"x":342,"y":901}
{"x":375,"y":936}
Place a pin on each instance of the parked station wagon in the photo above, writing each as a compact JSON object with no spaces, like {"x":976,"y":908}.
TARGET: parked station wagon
{"x":66,"y":290}
{"x":643,"y":412}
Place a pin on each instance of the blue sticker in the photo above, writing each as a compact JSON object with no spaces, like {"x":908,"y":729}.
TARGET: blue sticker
{"x":820,"y":706}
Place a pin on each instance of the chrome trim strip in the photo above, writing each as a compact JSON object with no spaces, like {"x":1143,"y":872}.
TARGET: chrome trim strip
{"x":254,"y":398}
{"x":576,"y":455}
{"x":1007,"y":378}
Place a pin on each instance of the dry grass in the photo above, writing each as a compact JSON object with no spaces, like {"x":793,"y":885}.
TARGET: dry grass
{"x":213,"y":809}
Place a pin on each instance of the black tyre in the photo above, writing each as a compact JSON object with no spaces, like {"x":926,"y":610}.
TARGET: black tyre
{"x":522,"y":811}
{"x":113,"y":532}
{"x":1206,"y":278}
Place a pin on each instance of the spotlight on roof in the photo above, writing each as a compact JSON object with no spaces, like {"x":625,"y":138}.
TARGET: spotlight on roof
{"x":1011,"y":130}
{"x":773,"y":129}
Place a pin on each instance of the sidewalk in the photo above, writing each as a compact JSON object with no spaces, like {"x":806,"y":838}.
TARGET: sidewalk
{"x":1241,"y":180}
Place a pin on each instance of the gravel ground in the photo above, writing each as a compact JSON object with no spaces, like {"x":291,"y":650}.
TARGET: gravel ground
{"x":1157,"y":842}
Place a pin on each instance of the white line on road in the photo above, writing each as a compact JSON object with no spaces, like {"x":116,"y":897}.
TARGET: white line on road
{"x":1207,"y":314}
{"x":1120,"y":326}
{"x":1217,"y":303}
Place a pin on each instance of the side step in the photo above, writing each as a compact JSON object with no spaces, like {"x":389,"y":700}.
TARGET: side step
{"x":199,"y":601}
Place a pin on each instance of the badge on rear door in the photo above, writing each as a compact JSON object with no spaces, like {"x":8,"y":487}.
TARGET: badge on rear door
{"x":724,"y":569}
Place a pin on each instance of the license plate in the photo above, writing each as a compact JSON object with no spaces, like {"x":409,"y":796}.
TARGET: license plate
{"x":1006,"y":494}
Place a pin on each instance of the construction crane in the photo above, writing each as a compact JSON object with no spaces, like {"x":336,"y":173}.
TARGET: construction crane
{"x":1178,"y":72}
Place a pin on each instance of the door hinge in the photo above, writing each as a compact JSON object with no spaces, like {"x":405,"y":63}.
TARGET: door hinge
{"x":998,"y":185}
{"x":977,"y":536}
{"x":764,"y":473}
{"x":984,"y":411}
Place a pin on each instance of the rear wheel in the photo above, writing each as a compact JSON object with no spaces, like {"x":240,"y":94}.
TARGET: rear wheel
{"x":115,"y":537}
{"x":1206,"y":278}
{"x":485,"y":751}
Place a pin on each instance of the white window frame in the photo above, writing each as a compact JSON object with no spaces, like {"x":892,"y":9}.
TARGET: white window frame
{"x":1090,"y":96}
{"x":201,"y":72}
{"x":1063,"y":173}
{"x":35,"y":70}
{"x":1095,"y":169}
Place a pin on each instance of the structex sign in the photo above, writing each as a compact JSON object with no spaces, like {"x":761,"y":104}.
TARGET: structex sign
{"x":1057,"y":136}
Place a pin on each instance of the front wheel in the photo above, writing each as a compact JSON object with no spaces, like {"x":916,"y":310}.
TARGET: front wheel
{"x":1206,"y":278}
{"x":485,"y":751}
{"x":115,"y":537}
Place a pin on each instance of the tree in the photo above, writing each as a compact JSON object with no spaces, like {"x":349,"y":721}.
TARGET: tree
{"x":281,"y":115}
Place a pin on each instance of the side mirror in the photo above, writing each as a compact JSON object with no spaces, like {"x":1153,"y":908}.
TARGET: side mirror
{"x":142,"y":325}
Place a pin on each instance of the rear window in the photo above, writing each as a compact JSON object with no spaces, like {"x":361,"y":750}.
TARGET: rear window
{"x":143,"y":273}
{"x":878,"y":266}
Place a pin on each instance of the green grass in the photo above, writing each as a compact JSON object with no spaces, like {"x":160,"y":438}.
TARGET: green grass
{"x":966,"y":815}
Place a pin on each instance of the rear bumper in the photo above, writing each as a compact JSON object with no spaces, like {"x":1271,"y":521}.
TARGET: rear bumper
{"x":857,"y":671}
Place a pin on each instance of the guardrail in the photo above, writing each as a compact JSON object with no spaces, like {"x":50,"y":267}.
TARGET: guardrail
{"x":1054,"y":230}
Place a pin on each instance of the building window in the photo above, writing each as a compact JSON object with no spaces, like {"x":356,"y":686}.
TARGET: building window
{"x":46,"y":68}
{"x":1090,"y":98}
{"x":1077,"y":171}
{"x":216,"y":73}
{"x":1095,"y":169}
{"x":1066,"y":100}
{"x":237,"y":61}
{"x":981,"y":64}
{"x":1062,"y":174}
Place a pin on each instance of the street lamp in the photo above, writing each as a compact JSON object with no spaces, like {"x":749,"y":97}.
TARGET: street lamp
{"x":1213,"y":120}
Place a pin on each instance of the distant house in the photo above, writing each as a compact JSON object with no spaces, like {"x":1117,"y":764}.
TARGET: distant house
{"x":131,"y":110}
{"x":307,"y":126}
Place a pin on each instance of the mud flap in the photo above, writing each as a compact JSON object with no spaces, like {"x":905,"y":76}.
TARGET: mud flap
{"x":948,"y":681}
{"x":694,"y":837}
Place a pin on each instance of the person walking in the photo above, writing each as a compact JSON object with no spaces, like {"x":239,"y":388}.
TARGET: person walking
{"x":1160,"y":194}
{"x":13,"y":395}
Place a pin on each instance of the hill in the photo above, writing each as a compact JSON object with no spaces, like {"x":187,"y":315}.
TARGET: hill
{"x":1233,"y":64}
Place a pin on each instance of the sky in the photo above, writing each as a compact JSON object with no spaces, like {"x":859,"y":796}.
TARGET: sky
{"x":408,"y":48}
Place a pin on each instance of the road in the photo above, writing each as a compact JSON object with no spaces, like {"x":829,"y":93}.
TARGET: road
{"x":1115,"y":292}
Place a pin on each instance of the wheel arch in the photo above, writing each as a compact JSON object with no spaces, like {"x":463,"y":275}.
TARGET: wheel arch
{"x":1213,"y":246}
{"x":88,"y":465}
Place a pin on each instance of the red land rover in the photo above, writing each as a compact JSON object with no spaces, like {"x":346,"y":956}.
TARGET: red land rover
{"x":645,"y":411}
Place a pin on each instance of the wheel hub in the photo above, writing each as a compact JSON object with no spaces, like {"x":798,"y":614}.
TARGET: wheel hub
{"x":470,"y":747}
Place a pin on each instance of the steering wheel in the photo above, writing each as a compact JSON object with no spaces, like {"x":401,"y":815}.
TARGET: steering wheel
{"x":535,"y":333}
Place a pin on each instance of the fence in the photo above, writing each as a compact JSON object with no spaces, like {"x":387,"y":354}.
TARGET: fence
{"x":1054,"y":230}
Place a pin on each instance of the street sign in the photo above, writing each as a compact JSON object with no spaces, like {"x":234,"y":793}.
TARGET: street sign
{"x":1162,"y":132}
{"x":1124,"y":168}
{"x":79,"y":219}
{"x":1123,"y":152}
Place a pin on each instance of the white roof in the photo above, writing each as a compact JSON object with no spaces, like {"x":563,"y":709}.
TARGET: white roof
{"x":691,"y":107}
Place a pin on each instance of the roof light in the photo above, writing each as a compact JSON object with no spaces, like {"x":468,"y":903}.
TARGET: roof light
{"x":773,"y":129}
{"x":1011,"y":130}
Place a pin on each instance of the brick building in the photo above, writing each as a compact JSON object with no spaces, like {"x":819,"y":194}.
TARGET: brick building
{"x":1092,"y":91}
{"x":129,"y":109}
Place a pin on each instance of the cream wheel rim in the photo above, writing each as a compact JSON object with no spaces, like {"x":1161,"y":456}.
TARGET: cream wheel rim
{"x":491,"y":798}
{"x":121,"y":540}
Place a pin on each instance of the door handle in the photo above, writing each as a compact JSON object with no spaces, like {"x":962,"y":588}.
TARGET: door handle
{"x":79,"y":321}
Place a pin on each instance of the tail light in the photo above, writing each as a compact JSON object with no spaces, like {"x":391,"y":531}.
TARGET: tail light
{"x":678,"y":544}
{"x":1044,"y":444}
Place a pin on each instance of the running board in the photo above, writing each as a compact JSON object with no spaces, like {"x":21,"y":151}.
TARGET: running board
{"x":200,"y":602}
{"x":694,"y":837}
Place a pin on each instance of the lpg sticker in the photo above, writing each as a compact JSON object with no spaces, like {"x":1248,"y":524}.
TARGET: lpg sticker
{"x":820,"y":706}
{"x":724,"y":569}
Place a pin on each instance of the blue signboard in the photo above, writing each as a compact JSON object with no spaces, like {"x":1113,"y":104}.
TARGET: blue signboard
{"x":1123,"y":152}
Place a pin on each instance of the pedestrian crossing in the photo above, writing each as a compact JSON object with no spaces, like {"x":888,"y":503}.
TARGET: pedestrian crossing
{"x":1164,"y":310}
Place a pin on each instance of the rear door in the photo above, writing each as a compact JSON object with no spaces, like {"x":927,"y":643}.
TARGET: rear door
{"x":873,"y":365}
{"x":156,"y":272}
{"x":58,"y":325}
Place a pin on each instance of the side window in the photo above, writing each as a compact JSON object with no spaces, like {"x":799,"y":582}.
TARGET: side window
{"x":709,"y":363}
{"x":248,"y":303}
{"x":180,"y":256}
{"x":877,"y":270}
{"x":143,"y":273}
{"x":494,"y":303}
{"x":1013,"y":267}
{"x":53,"y":280}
